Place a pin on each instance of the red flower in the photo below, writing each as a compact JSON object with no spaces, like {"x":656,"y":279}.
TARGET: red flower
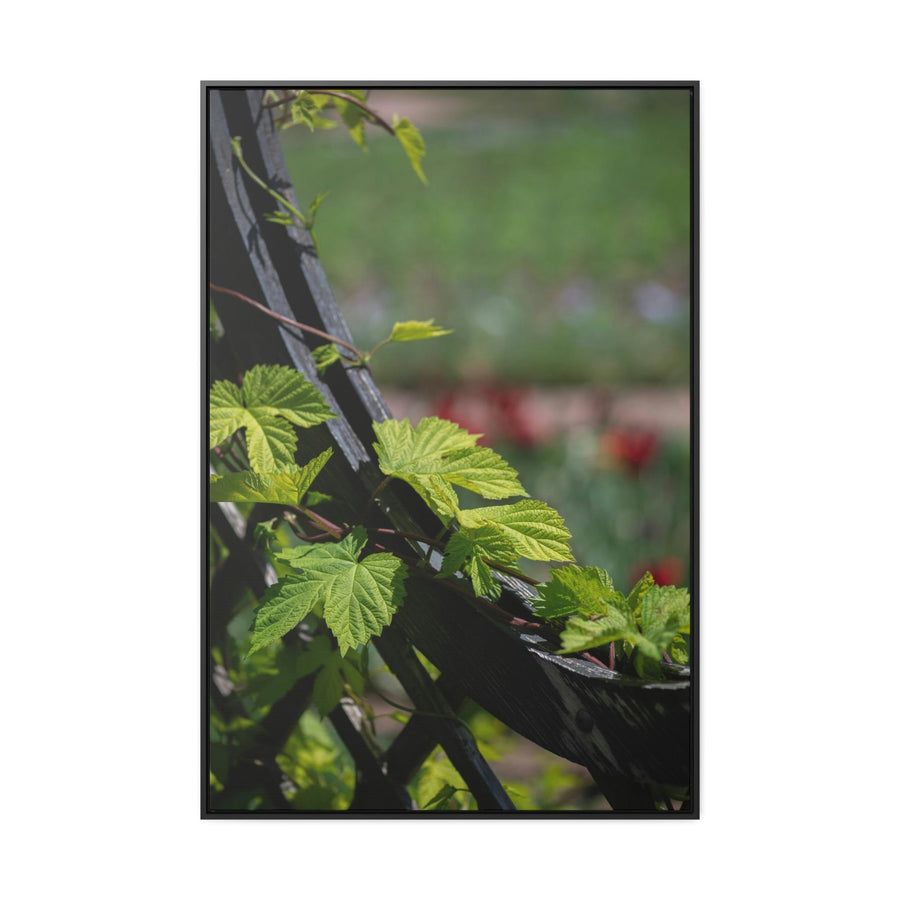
{"x":498,"y":412}
{"x":632,"y":448}
{"x":509,"y":405}
{"x":669,"y":570}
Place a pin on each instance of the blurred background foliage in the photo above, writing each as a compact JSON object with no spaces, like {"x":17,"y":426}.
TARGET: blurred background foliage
{"x":554,"y":239}
{"x":555,"y":225}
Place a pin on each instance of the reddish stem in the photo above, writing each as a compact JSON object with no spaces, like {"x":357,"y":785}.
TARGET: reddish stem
{"x":594,"y":659}
{"x":286,"y":320}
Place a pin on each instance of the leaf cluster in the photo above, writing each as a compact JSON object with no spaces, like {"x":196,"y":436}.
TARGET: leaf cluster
{"x":437,"y":456}
{"x":306,"y":106}
{"x":355,"y":595}
{"x":646,"y":625}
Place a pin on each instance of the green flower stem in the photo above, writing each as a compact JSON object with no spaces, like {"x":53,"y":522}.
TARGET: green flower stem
{"x":322,"y":334}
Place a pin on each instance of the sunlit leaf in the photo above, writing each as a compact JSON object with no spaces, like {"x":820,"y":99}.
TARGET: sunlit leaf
{"x":358,"y":597}
{"x":325,"y":356}
{"x":286,"y":487}
{"x":417,"y":331}
{"x":583,"y":634}
{"x":354,"y":118}
{"x":413,"y":144}
{"x":573,"y":589}
{"x":471,"y":551}
{"x":437,"y":454}
{"x":271,"y":400}
{"x":535,"y":530}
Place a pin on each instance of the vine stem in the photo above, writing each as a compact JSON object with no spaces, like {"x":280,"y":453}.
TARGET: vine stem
{"x":379,"y":345}
{"x":310,"y":538}
{"x":334,"y":530}
{"x":322,"y":334}
{"x":303,"y":220}
{"x":341,"y":96}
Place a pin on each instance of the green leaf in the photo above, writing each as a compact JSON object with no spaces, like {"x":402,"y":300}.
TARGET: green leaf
{"x":413,"y":144}
{"x":308,"y":473}
{"x":352,"y":667}
{"x":279,"y":217}
{"x":226,"y":412}
{"x":354,"y":118}
{"x":286,"y":487}
{"x":436,"y":454}
{"x":441,"y":800}
{"x":264,"y":533}
{"x":651,"y":625}
{"x":679,"y":651}
{"x":438,"y":493}
{"x":573,"y":589}
{"x":483,"y":471}
{"x":358,"y":598}
{"x":665,"y":612}
{"x":282,"y":607}
{"x":471,"y":550}
{"x":535,"y":530}
{"x":324,"y":356}
{"x":316,"y":653}
{"x":272,"y":398}
{"x":416,"y":331}
{"x":280,"y":390}
{"x":305,"y":109}
{"x":314,"y":208}
{"x":639,"y":591}
{"x":328,"y":688}
{"x":582,"y":634}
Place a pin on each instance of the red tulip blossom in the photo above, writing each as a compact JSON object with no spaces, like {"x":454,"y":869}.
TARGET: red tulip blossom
{"x":500,"y":413}
{"x":632,"y":448}
{"x":669,"y":570}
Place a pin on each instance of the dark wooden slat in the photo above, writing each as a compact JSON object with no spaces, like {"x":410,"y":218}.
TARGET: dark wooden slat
{"x":414,"y":744}
{"x":453,"y":735}
{"x":375,"y":789}
{"x":623,"y":727}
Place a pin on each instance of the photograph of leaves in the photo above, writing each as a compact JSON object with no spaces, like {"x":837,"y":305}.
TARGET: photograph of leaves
{"x":449,"y":479}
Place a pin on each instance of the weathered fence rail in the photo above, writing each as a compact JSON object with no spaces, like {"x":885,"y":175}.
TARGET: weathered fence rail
{"x":630,"y":734}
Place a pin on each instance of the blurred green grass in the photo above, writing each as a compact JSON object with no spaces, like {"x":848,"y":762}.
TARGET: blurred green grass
{"x":547,"y":212}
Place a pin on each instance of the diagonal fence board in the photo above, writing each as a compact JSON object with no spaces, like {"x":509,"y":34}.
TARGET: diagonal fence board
{"x":614,"y":725}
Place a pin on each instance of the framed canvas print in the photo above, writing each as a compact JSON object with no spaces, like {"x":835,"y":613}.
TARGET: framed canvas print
{"x":450,"y":413}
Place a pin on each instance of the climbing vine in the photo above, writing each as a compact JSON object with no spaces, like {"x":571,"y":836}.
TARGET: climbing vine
{"x":341,"y":574}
